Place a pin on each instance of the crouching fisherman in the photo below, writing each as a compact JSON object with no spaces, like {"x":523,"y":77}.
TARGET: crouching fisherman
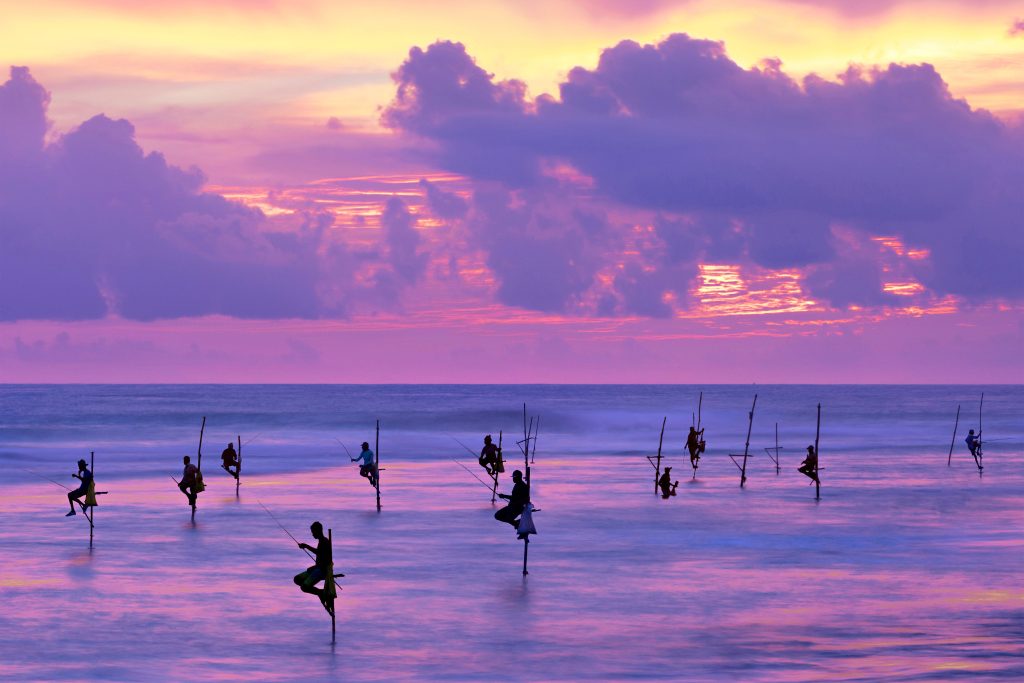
{"x":191,"y":483}
{"x":229,"y":460}
{"x":367,"y":464}
{"x":695,"y":444}
{"x":323,"y":570}
{"x":667,"y":486}
{"x":490,"y":457}
{"x":974,"y":446}
{"x":517,"y":501}
{"x":87,"y":489}
{"x":809,"y":467}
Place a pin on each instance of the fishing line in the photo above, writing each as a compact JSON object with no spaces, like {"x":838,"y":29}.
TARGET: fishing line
{"x":489,"y":488}
{"x":283,"y":529}
{"x":66,"y":488}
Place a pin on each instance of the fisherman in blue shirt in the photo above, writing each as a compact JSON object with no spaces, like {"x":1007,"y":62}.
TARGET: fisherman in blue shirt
{"x":974,"y":445}
{"x":367,"y":466}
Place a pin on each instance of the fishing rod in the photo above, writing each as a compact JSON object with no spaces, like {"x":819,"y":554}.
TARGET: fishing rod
{"x":345,"y":447}
{"x":468,"y":449}
{"x":66,"y":488}
{"x":472,"y":473}
{"x":285,"y":530}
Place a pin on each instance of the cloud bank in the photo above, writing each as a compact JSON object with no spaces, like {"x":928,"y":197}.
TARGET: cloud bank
{"x":91,"y":226}
{"x":755,"y":164}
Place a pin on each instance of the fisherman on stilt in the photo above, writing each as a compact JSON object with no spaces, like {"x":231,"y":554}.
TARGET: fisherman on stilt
{"x":809,"y":467}
{"x":517,"y":501}
{"x":229,"y":460}
{"x":667,"y":486}
{"x":695,"y":444}
{"x":367,"y":464}
{"x":321,"y":571}
{"x":84,"y":476}
{"x":974,"y":445}
{"x":190,"y":481}
{"x":490,"y":457}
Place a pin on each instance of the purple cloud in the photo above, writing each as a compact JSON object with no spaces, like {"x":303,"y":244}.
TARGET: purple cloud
{"x":746,"y":157}
{"x":407,"y":261}
{"x":1017,"y":27}
{"x":91,"y":226}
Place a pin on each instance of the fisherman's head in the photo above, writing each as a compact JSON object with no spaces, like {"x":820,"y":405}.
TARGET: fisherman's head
{"x":517,"y":476}
{"x":186,"y":460}
{"x":487,"y":439}
{"x":365,"y":446}
{"x":692,"y":428}
{"x":231,"y":445}
{"x":317,"y":529}
{"x":970,"y":431}
{"x":810,"y":449}
{"x":81,"y":464}
{"x":667,"y":470}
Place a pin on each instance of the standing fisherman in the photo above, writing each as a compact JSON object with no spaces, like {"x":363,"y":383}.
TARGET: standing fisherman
{"x":367,"y":465}
{"x":516,"y":501}
{"x":84,"y":476}
{"x":490,"y":457}
{"x":809,"y":467}
{"x":695,"y":444}
{"x":321,"y":570}
{"x":668,"y":488}
{"x":190,"y":481}
{"x":974,"y":445}
{"x":229,"y":460}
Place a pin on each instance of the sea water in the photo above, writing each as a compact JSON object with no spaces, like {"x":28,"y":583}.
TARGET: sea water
{"x":906,"y":569}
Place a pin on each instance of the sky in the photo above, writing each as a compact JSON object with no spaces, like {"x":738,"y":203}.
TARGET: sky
{"x":589,"y":191}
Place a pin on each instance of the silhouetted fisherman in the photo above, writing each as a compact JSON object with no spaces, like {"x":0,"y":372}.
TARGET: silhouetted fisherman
{"x":668,"y":488}
{"x":695,"y":444}
{"x":490,"y":457}
{"x":516,"y":501}
{"x":367,"y":466}
{"x":974,"y":445}
{"x":229,"y":460}
{"x":189,"y":483}
{"x":321,"y":571}
{"x":84,"y":476}
{"x":809,"y":466}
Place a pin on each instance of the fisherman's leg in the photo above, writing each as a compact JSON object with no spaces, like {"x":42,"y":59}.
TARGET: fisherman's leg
{"x":73,"y":497}
{"x":507,"y":515}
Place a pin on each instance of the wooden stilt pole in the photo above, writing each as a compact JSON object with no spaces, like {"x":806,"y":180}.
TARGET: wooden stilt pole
{"x":700,"y":404}
{"x":526,"y":463}
{"x":657,"y":467}
{"x":330,"y":585}
{"x":746,"y":447}
{"x":979,"y":451}
{"x":536,"y":431}
{"x":952,"y":442}
{"x":199,"y":469}
{"x":238,"y":472}
{"x":199,"y":451}
{"x":817,"y":457}
{"x":376,"y":467}
{"x":91,"y":512}
{"x":497,"y":470}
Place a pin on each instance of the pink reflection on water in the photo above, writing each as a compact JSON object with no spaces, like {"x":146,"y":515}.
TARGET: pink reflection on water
{"x":908,"y":572}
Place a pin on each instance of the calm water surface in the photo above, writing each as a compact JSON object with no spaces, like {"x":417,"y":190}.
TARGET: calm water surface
{"x":906,"y":570}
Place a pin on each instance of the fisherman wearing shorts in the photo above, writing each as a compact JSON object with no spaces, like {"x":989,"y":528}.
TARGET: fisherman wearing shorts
{"x":85,"y":476}
{"x":321,"y":571}
{"x":367,"y":468}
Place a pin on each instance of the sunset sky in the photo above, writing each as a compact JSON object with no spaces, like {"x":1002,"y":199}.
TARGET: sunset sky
{"x":529,"y":191}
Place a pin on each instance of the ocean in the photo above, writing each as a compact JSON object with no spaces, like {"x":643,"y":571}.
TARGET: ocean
{"x":906,"y":569}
